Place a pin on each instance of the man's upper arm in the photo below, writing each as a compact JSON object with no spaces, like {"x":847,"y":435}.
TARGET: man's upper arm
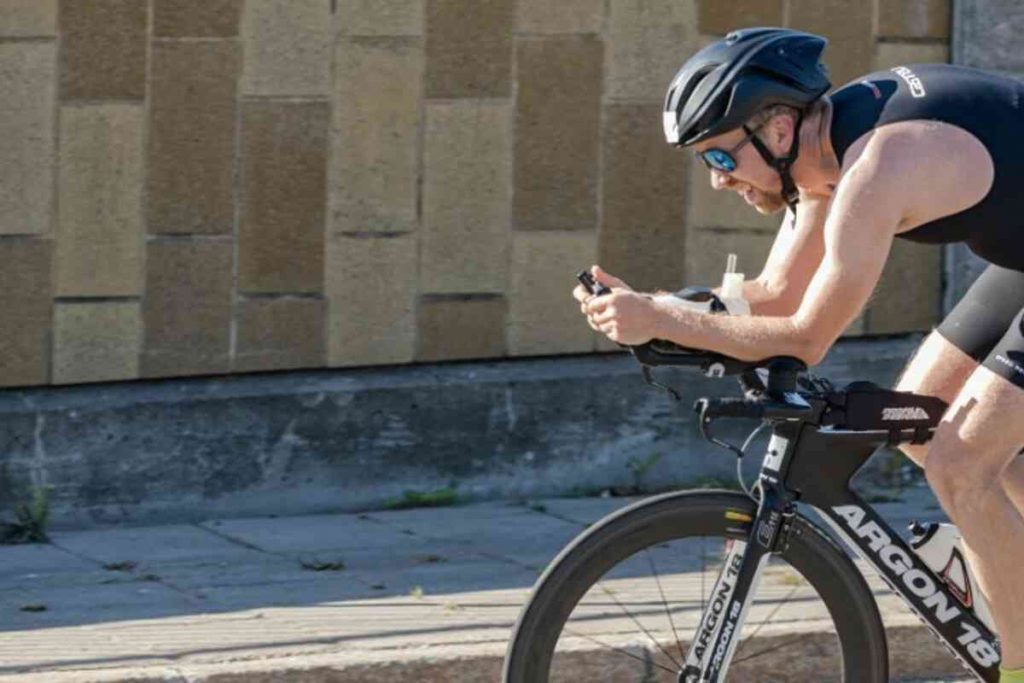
{"x":858,"y":234}
{"x":793,"y":260}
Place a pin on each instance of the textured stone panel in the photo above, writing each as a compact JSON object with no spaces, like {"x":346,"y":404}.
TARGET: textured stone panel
{"x":565,"y":16}
{"x":456,"y":328}
{"x":848,"y":26}
{"x":469,"y":48}
{"x":187,"y":18}
{"x":28,"y":18}
{"x":988,"y":33}
{"x":100,"y":226}
{"x":909,"y":295}
{"x":914,"y":18}
{"x":96,"y":341}
{"x":187,"y":310}
{"x":27,"y":73}
{"x":707,"y":251}
{"x":643,"y":229}
{"x":25,"y":308}
{"x":279,"y":334}
{"x":543,"y":316}
{"x":103,"y":49}
{"x":857,"y":328}
{"x":284,"y":170}
{"x":380,"y":17}
{"x":647,"y":41}
{"x":371,"y":290}
{"x":888,"y":55}
{"x":557,"y":134}
{"x":710,"y":208}
{"x":376,"y":119}
{"x":287,"y":47}
{"x":718,"y":17}
{"x":466,"y":197}
{"x":192,"y":137}
{"x":961,"y":268}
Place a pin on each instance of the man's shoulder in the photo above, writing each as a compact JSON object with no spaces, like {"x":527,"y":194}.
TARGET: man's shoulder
{"x":930,"y":168}
{"x":911,"y":146}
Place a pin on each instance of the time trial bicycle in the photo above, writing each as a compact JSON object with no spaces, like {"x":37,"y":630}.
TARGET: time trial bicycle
{"x":762,"y":555}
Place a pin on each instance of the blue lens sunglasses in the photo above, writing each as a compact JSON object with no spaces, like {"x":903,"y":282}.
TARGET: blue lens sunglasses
{"x":723,"y":160}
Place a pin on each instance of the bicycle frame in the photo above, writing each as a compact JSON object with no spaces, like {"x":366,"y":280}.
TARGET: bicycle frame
{"x":813,"y":465}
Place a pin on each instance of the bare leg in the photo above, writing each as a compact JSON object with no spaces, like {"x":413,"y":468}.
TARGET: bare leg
{"x":940,"y":369}
{"x":1013,"y":481}
{"x":937,"y":369}
{"x":979,"y":437}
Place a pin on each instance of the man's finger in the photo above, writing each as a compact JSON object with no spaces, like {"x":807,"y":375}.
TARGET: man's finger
{"x":605,"y":315}
{"x":599,"y":303}
{"x":606,"y":278}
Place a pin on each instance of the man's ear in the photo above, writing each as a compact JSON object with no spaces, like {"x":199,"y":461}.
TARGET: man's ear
{"x":781,"y":128}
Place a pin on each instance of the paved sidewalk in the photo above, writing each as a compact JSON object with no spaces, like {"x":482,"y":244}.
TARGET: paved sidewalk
{"x":430,"y":592}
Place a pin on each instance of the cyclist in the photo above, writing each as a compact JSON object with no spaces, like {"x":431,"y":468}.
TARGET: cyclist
{"x":931,"y":153}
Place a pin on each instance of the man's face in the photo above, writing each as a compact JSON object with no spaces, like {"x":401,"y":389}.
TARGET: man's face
{"x":753,"y":179}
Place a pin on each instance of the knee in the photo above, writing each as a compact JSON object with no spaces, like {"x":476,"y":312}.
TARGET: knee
{"x":958,"y":475}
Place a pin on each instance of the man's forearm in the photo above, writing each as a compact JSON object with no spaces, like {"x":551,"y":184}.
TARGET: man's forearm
{"x":768,"y":301}
{"x":743,"y":337}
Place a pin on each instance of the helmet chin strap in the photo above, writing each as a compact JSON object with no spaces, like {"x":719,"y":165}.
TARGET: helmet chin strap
{"x":784,"y":165}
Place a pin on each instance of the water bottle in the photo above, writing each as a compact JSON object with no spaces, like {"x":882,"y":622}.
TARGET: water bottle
{"x":732,"y":289}
{"x":942,"y":549}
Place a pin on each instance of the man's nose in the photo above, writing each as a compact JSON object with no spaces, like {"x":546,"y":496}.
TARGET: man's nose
{"x":720,"y":180}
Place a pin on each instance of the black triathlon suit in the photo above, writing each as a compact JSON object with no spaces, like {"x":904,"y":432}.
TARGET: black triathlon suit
{"x":988,"y":323}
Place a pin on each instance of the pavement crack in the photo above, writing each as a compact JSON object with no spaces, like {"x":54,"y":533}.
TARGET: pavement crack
{"x":237,"y":541}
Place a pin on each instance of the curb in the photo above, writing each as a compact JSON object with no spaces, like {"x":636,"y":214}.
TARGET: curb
{"x":919,"y":655}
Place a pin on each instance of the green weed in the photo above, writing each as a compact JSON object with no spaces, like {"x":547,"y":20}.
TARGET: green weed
{"x":424,"y":499}
{"x":31,"y":517}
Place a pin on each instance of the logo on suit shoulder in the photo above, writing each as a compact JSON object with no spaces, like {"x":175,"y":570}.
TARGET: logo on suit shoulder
{"x":912,"y":81}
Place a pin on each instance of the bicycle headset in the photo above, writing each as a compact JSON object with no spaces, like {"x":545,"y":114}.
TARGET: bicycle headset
{"x":727,"y":82}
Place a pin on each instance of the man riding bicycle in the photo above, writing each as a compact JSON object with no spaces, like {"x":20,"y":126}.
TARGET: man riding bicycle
{"x":930,"y":153}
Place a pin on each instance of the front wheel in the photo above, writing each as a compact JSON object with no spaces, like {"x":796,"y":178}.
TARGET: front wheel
{"x":622,"y":602}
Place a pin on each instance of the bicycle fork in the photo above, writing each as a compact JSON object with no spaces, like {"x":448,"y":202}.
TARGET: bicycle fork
{"x":710,"y":653}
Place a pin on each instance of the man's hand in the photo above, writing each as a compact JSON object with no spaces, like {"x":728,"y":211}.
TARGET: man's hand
{"x":625,"y":316}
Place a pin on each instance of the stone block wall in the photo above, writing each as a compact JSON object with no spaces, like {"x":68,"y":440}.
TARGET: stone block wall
{"x":228,"y":186}
{"x":986,"y":36}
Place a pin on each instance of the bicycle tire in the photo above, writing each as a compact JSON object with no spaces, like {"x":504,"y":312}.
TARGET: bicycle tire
{"x":681,"y":515}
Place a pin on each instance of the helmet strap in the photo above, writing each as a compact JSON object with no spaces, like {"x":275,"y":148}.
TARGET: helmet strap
{"x":784,"y":165}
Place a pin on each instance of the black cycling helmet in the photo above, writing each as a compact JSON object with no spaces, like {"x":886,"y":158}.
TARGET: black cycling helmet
{"x":724,"y":84}
{"x":732,"y":79}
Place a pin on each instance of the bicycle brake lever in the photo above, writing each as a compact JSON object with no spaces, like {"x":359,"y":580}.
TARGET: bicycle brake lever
{"x":649,"y":378}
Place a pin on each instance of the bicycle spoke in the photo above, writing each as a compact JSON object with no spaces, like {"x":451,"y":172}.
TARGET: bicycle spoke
{"x":639,"y":625}
{"x":668,"y":612}
{"x":766,"y":620}
{"x":773,"y":648}
{"x":620,"y":650}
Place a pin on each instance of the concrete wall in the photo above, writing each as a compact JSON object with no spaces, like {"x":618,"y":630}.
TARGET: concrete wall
{"x":229,"y":186}
{"x":322,"y":441}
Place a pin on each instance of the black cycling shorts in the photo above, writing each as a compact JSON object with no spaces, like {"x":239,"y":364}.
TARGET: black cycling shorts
{"x":988,"y":323}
